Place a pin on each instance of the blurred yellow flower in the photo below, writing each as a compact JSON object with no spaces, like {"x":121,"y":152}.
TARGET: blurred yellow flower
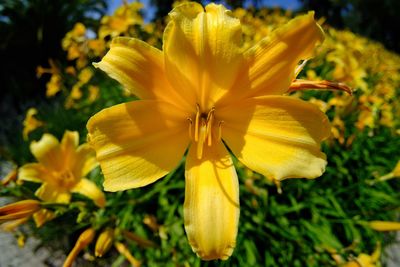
{"x":30,"y":123}
{"x":98,"y":46}
{"x":83,"y":241}
{"x":54,"y":85}
{"x":60,"y":169}
{"x":205,"y":91}
{"x":365,"y":260}
{"x":93,"y":92}
{"x":123,"y":17}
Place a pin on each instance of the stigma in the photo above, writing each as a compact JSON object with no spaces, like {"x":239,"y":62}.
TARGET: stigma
{"x":202,"y":129}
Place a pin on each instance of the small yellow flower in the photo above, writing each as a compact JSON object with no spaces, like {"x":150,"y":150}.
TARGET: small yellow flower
{"x":83,"y":241}
{"x":61,"y":169}
{"x":365,"y":260}
{"x":98,"y":46}
{"x":30,"y":123}
{"x":19,"y":210}
{"x":54,"y":85}
{"x":104,"y":242}
{"x":93,"y":92}
{"x":205,"y":91}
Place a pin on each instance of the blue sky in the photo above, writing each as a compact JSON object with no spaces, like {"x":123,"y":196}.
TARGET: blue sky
{"x":287,"y":4}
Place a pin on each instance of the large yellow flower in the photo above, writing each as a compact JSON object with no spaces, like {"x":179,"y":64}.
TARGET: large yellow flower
{"x":204,"y":92}
{"x":61,"y":169}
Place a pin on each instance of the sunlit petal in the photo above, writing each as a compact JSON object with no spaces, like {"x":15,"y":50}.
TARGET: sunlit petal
{"x":272,"y":62}
{"x":211,"y":206}
{"x":277,"y":136}
{"x":69,"y":143}
{"x":138,"y":142}
{"x":90,"y":189}
{"x":202,"y":51}
{"x":139,"y":67}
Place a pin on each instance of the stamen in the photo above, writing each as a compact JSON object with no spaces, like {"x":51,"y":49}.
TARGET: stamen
{"x":278,"y":186}
{"x":196,"y":125}
{"x":299,"y":84}
{"x":210,"y":119}
{"x":202,"y":138}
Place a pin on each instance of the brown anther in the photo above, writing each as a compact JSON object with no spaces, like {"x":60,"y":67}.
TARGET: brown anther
{"x":299,"y":84}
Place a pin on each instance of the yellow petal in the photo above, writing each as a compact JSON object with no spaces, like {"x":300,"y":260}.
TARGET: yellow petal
{"x":202,"y":52}
{"x":211,"y":208}
{"x":48,"y":152}
{"x":49,"y":193}
{"x":85,"y":161}
{"x":137,"y":143}
{"x":69,"y":143}
{"x":139,"y":67}
{"x":90,"y":189}
{"x":276,"y":136}
{"x":33,"y":172}
{"x":272,"y":62}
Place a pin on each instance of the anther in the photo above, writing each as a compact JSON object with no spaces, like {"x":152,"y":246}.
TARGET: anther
{"x":196,"y":125}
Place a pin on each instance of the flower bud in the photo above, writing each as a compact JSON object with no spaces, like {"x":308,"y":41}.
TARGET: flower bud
{"x":104,"y":242}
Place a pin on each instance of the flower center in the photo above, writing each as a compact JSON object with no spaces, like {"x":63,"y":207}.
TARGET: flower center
{"x":201,"y":129}
{"x":65,"y":178}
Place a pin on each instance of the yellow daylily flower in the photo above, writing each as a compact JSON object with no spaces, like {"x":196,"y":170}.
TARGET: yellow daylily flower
{"x":365,"y":260}
{"x":30,"y":123}
{"x":205,"y":91}
{"x":61,"y":169}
